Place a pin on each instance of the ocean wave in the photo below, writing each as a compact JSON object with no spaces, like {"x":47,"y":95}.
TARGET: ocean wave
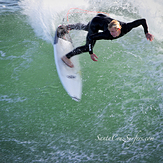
{"x":9,"y":6}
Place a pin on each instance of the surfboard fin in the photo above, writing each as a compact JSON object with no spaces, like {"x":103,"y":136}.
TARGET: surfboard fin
{"x":76,"y":99}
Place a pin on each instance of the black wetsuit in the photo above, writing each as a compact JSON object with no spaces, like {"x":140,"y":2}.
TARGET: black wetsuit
{"x":100,"y":22}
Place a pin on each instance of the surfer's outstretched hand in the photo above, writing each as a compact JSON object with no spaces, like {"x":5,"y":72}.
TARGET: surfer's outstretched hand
{"x":93,"y":57}
{"x":149,"y":37}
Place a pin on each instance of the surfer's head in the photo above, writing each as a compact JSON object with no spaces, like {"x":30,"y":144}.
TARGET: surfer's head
{"x":115,"y":28}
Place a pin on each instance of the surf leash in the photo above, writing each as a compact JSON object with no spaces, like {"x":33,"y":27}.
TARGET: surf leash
{"x":83,"y":11}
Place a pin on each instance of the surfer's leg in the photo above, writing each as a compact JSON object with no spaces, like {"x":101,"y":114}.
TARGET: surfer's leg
{"x":84,"y":48}
{"x":78,"y":26}
{"x":80,"y":49}
{"x":77,"y":51}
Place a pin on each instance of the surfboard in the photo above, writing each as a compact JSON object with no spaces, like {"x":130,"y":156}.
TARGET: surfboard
{"x":70,"y":77}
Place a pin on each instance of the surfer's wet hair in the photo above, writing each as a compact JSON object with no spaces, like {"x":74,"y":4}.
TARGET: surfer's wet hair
{"x":115,"y":24}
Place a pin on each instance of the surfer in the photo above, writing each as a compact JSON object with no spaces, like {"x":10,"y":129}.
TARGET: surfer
{"x":112,"y":29}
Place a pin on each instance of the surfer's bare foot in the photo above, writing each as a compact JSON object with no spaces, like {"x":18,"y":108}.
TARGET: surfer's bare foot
{"x":67,"y":61}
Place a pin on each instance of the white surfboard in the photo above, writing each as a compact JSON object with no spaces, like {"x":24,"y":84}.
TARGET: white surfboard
{"x":69,"y":77}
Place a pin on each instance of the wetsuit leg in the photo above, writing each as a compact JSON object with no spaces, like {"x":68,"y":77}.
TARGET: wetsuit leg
{"x":81,"y":49}
{"x":77,"y":51}
{"x":91,"y":30}
{"x":78,"y":26}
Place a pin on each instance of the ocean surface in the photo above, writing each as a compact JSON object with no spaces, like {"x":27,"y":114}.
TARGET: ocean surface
{"x":120,"y":116}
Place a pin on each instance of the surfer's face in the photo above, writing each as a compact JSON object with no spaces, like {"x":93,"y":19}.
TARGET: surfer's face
{"x":114,"y":32}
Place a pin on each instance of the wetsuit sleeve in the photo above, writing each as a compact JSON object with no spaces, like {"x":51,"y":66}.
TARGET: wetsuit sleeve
{"x":136,"y":23}
{"x":90,"y":48}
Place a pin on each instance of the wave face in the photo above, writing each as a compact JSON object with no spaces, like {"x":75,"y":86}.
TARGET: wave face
{"x":119,"y":118}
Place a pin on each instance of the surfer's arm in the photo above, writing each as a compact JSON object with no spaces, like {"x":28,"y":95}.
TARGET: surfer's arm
{"x":90,"y":46}
{"x":92,"y":55}
{"x":136,"y":23}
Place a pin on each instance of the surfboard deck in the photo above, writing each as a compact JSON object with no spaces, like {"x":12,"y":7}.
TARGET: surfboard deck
{"x":70,"y":77}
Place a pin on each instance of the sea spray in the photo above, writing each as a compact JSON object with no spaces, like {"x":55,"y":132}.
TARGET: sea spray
{"x":152,"y":11}
{"x":45,"y":15}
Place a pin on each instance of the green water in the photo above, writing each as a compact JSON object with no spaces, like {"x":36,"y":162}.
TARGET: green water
{"x":119,"y":118}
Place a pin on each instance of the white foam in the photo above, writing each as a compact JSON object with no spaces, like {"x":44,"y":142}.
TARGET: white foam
{"x":45,"y":15}
{"x":2,"y":54}
{"x":152,"y":11}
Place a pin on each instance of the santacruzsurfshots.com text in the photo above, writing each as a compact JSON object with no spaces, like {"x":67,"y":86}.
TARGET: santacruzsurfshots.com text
{"x":127,"y":139}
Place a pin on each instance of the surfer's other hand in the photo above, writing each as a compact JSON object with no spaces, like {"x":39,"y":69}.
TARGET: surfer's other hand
{"x":149,"y":37}
{"x":93,"y":57}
